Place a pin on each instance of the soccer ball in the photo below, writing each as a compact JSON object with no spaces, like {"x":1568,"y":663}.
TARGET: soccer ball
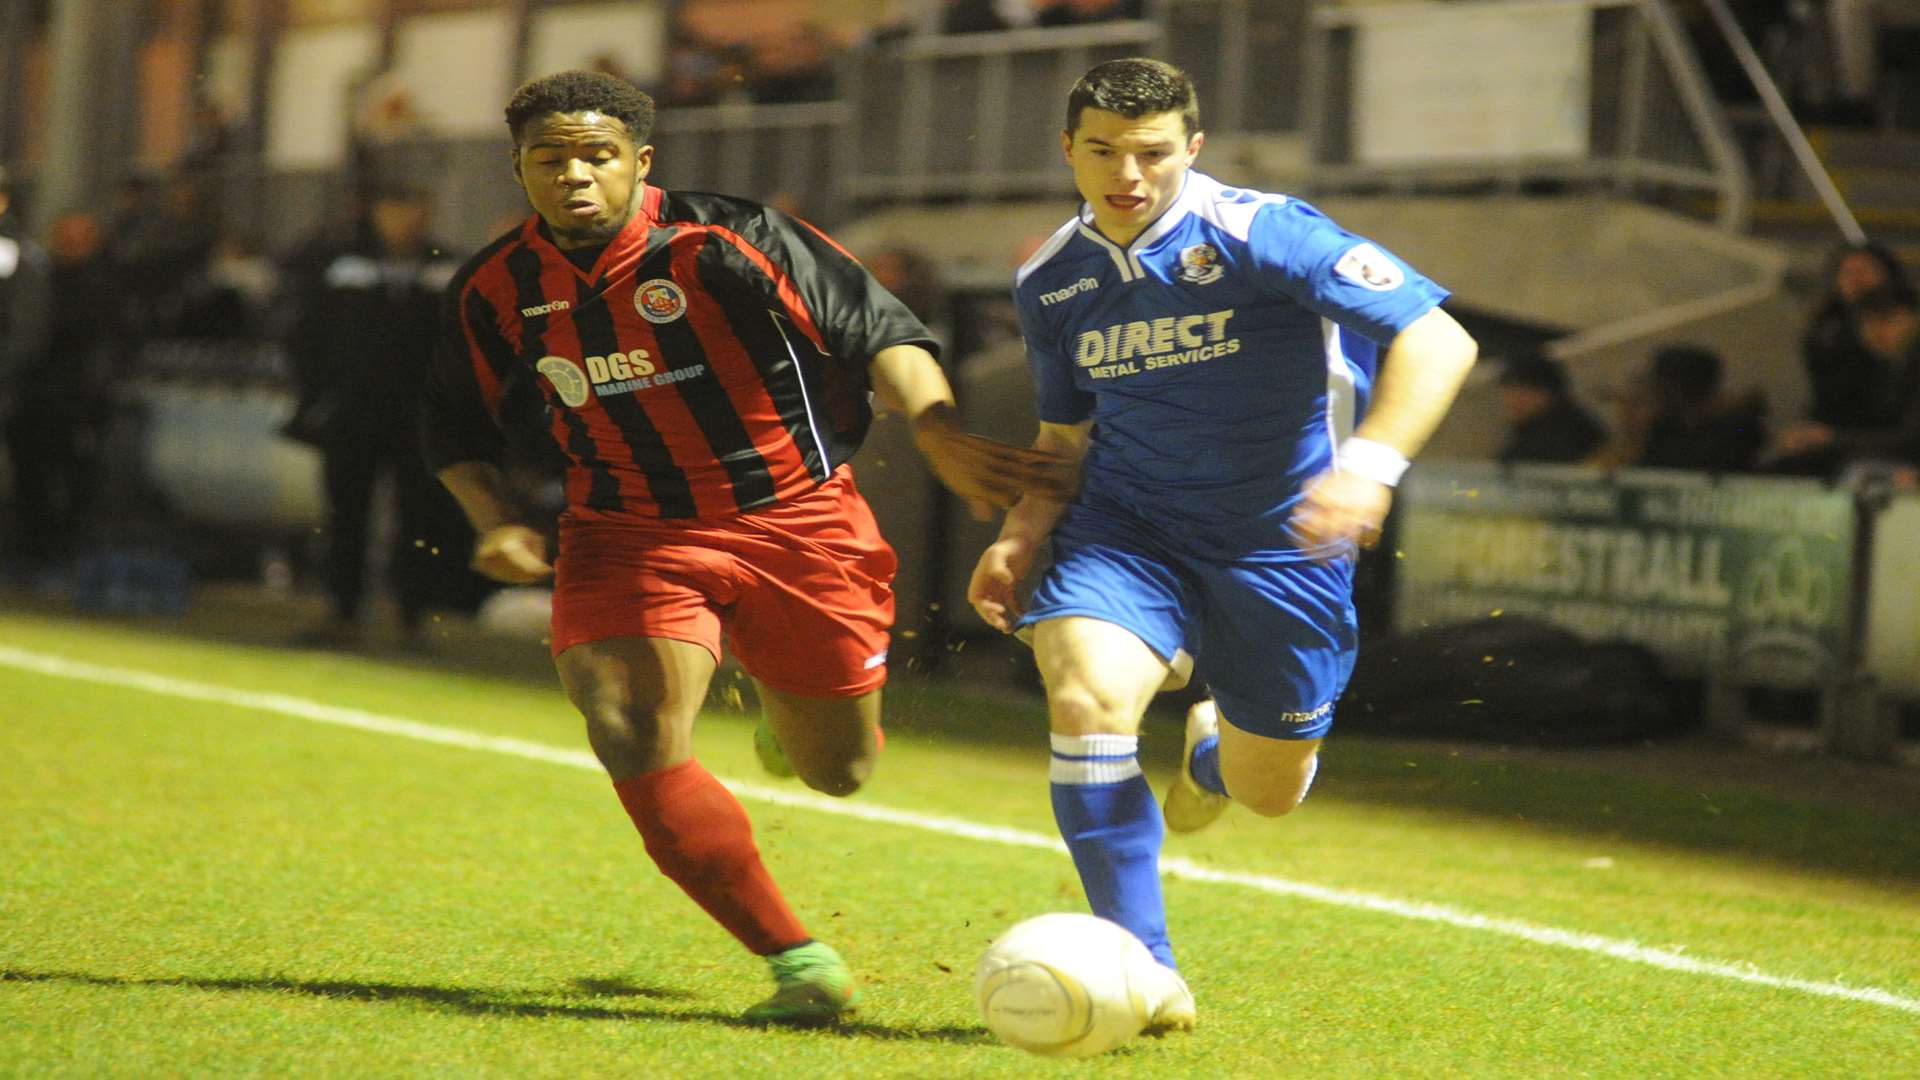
{"x":1065,"y":985}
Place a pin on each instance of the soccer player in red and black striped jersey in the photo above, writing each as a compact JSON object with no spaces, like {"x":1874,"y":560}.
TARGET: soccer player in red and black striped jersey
{"x":704,"y":363}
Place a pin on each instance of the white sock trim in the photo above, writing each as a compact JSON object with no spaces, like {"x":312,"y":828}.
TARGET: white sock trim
{"x":1094,"y":759}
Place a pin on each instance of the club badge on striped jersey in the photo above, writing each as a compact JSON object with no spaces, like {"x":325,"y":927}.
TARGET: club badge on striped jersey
{"x":659,"y":301}
{"x":567,"y":379}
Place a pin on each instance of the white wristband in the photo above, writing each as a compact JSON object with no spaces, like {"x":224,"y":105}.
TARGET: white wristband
{"x":1374,"y":460}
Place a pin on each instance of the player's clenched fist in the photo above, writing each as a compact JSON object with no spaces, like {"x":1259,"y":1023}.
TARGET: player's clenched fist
{"x":1340,"y":506}
{"x":512,"y":553}
{"x":1001,"y":569}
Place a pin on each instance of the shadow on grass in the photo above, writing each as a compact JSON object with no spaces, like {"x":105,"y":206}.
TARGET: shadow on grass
{"x":481,"y":1001}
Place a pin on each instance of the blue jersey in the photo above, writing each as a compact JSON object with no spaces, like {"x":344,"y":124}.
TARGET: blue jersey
{"x":1221,"y":356}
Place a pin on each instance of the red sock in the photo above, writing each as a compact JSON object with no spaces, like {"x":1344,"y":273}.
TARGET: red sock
{"x":699,"y":836}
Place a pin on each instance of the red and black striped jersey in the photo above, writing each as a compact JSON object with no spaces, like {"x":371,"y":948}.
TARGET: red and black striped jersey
{"x":713,"y":360}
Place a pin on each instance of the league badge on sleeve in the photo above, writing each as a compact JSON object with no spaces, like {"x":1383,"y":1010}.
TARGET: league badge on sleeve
{"x":659,"y":301}
{"x":1200,"y":264}
{"x":1368,"y":267}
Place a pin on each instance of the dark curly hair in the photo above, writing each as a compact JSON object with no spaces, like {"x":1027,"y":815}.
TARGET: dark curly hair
{"x":580,"y":91}
{"x":1134,"y":87}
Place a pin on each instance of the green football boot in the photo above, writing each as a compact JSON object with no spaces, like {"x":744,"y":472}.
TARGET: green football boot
{"x":813,"y":987}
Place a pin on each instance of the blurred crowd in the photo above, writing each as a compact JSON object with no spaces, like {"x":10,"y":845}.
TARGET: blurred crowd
{"x":148,"y":265}
{"x":975,"y":16}
{"x":342,"y":319}
{"x":1860,"y":354}
{"x":711,"y":62}
{"x":349,"y":310}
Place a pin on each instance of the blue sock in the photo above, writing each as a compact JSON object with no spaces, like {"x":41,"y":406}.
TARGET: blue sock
{"x":1111,"y":823}
{"x":1205,"y":765}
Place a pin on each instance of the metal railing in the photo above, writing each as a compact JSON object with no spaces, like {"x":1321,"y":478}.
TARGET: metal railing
{"x":767,"y":152}
{"x":979,"y":115}
{"x":1781,"y":117}
{"x":971,"y":115}
{"x":1650,"y":118}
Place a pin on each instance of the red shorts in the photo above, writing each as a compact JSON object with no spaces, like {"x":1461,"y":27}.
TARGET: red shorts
{"x":801,"y":592}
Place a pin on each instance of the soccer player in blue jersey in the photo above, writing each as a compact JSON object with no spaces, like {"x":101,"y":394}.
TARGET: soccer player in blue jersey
{"x":1205,"y":353}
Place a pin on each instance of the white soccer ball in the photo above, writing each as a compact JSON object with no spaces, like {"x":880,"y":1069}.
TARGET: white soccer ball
{"x":1065,"y":985}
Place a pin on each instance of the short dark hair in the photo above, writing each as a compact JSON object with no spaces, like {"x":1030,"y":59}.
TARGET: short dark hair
{"x":1539,"y":372}
{"x":581,"y":91}
{"x":1134,"y":87}
{"x":1885,"y":299}
{"x":1690,"y":373}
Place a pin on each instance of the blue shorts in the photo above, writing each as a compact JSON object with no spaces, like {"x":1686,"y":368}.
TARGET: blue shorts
{"x":1273,"y":634}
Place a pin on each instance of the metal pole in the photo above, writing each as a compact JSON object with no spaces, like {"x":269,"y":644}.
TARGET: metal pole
{"x":1855,"y":720}
{"x":1783,"y":121}
{"x":1633,"y":108}
{"x":520,"y":17}
{"x":16,"y":22}
{"x":87,"y":45}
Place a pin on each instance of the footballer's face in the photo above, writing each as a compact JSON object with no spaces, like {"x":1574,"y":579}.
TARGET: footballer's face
{"x":1129,"y":169}
{"x":581,"y":172}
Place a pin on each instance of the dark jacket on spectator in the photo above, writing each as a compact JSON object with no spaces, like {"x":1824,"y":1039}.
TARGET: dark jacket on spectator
{"x":1566,"y":433}
{"x":1850,"y":386}
{"x":1899,"y":438}
{"x":26,"y":292}
{"x":1726,"y":437}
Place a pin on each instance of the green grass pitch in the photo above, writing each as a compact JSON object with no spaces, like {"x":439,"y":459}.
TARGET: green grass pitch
{"x":197,"y":885}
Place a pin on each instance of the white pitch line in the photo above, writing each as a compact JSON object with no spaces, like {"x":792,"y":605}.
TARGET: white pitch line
{"x":304,"y":709}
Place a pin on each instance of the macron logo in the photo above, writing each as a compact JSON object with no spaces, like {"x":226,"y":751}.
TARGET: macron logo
{"x":1085,"y":284}
{"x":557,"y":305}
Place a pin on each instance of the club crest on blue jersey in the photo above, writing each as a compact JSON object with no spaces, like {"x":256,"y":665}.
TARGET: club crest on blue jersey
{"x":1200,"y":264}
{"x":659,"y":301}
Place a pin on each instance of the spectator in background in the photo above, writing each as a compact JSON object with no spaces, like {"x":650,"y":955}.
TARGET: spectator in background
{"x":1687,"y":420}
{"x":162,"y":251}
{"x":134,"y":200}
{"x":797,"y":67}
{"x":26,"y":290}
{"x":1889,"y":326}
{"x":62,"y":399}
{"x":1850,"y":385}
{"x":1544,"y":422}
{"x":1080,"y":12}
{"x":982,"y":16}
{"x":25,"y":287}
{"x":224,"y":298}
{"x":360,"y":347}
{"x":210,"y":136}
{"x":915,"y":280}
{"x":703,"y":71}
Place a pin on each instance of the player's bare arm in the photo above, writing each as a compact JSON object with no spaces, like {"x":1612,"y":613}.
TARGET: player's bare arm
{"x":1419,"y":377}
{"x":504,"y":548}
{"x":994,"y":588}
{"x":984,"y":472}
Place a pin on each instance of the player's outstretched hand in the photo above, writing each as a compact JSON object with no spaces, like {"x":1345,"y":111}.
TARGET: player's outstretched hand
{"x":987,"y":473}
{"x":1340,"y":506}
{"x":996,"y":577}
{"x":515,"y":554}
